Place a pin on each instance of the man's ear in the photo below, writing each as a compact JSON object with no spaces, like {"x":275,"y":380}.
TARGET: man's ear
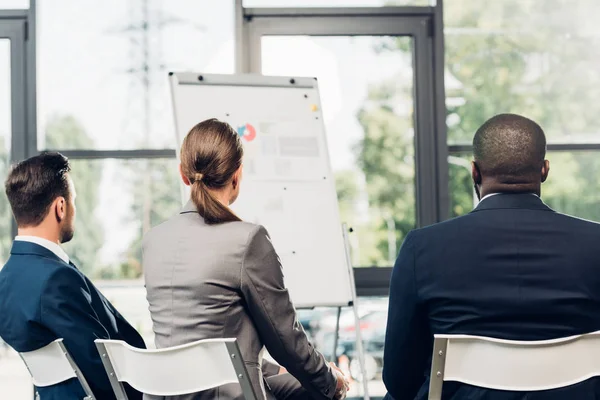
{"x":545,"y":170}
{"x":475,"y":173}
{"x":184,"y":178}
{"x":60,"y":208}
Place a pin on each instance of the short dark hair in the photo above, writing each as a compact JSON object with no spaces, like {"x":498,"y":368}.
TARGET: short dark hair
{"x":33,"y":184}
{"x":510,"y":148}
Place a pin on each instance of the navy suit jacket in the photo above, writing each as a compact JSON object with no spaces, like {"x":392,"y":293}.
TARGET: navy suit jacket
{"x":511,"y":269}
{"x":42,"y":299}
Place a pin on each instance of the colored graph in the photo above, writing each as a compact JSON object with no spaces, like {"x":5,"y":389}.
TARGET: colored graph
{"x":247,"y":132}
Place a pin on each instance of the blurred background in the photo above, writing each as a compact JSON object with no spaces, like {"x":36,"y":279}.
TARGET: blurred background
{"x":404,"y":86}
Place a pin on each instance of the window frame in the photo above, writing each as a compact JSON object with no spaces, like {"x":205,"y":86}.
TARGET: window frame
{"x":424,"y":26}
{"x":431,"y":150}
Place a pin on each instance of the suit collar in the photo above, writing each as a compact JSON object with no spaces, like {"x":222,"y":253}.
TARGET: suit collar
{"x":22,"y":248}
{"x":528,"y":201}
{"x":52,"y":246}
{"x":189,"y":207}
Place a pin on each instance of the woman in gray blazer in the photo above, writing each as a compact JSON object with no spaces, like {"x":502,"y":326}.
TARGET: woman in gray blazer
{"x":210,"y":275}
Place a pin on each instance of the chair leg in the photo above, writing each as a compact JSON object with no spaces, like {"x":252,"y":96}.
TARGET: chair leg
{"x":438,"y":363}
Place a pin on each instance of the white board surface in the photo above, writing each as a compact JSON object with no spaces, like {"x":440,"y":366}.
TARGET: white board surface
{"x":287,"y":184}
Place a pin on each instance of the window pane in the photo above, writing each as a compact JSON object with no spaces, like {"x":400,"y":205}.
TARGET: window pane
{"x":5,"y":136}
{"x":14,"y":4}
{"x":14,"y":378}
{"x":462,"y":196}
{"x":117,"y":201}
{"x":366,"y":90}
{"x":337,"y":3}
{"x":111,"y":75}
{"x":534,"y":57}
{"x":319,"y":324}
{"x":572,"y":187}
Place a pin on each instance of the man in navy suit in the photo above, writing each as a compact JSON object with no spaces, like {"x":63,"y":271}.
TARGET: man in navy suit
{"x":43,"y":295}
{"x":511,"y":269}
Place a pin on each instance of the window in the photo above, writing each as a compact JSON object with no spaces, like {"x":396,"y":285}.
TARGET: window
{"x":509,"y":56}
{"x":14,"y":4}
{"x":336,"y":3}
{"x":319,"y":324}
{"x":103,"y":101}
{"x":366,"y":86}
{"x":5,"y":136}
{"x":117,"y":202}
{"x":105,"y":64}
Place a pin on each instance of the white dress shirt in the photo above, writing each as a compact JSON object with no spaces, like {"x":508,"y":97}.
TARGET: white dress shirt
{"x":53,"y":247}
{"x":488,"y":195}
{"x":495,"y":194}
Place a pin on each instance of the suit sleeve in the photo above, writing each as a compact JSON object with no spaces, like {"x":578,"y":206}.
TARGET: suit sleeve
{"x":274,"y":315}
{"x":269,"y":368}
{"x":65,"y":310}
{"x":407,"y":340}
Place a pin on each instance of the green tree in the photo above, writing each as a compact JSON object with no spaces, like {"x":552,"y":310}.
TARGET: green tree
{"x":64,"y":131}
{"x":161,"y":192}
{"x":505,"y":56}
{"x":540,"y":64}
{"x":385,"y":154}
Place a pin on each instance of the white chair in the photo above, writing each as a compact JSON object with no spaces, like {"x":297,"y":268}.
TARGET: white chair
{"x":178,"y":370}
{"x":513,"y":365}
{"x":53,"y":364}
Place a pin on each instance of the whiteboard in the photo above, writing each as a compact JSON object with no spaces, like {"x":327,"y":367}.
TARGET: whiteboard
{"x":287,"y":184}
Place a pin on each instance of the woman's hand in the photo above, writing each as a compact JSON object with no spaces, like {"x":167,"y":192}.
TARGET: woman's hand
{"x":343,"y":384}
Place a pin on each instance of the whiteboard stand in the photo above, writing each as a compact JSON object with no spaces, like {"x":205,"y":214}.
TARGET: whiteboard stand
{"x":359,"y":350}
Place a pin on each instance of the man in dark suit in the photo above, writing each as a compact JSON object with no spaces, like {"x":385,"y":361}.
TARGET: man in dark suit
{"x":43,"y":295}
{"x":511,"y":269}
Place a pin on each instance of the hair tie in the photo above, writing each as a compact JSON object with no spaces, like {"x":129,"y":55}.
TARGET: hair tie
{"x":198,"y":177}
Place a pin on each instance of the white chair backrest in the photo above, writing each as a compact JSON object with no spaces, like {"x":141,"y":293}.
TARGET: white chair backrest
{"x":513,"y":365}
{"x":184,"y":369}
{"x":53,"y":364}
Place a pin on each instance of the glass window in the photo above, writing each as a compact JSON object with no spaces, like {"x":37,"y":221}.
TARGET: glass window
{"x":14,"y":5}
{"x":366,"y":86}
{"x":5,"y":136}
{"x":319,"y":324}
{"x":105,"y":63}
{"x":336,"y":3}
{"x":538,"y":58}
{"x":14,"y":378}
{"x":462,"y":194}
{"x":117,"y":202}
{"x":572,"y":187}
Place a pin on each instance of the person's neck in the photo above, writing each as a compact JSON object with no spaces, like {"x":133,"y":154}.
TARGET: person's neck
{"x":221,"y":196}
{"x":40,"y":232}
{"x":493,"y":187}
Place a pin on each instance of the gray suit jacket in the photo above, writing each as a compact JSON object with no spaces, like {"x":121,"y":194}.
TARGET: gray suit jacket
{"x":216,"y":281}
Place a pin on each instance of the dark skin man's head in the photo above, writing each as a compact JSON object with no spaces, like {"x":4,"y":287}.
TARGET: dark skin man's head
{"x":509,"y":156}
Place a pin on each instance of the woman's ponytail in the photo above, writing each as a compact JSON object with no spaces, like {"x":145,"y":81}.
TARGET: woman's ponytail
{"x":210,"y":155}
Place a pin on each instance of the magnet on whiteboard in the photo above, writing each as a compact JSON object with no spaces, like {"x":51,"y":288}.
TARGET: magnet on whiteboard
{"x":314,"y":107}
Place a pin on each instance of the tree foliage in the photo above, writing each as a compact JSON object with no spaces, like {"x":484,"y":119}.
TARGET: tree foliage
{"x":501,"y":56}
{"x":66,"y":132}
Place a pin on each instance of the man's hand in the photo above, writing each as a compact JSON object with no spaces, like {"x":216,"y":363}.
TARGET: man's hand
{"x":343,"y":384}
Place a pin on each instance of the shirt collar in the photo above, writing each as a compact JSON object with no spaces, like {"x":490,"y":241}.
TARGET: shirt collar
{"x":53,"y":247}
{"x":495,"y":194}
